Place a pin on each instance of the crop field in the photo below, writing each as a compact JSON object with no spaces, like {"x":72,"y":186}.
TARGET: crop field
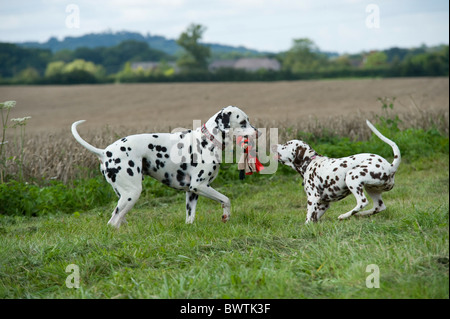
{"x":153,"y":107}
{"x":54,"y":203}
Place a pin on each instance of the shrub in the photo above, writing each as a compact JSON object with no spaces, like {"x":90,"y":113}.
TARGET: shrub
{"x":19,"y":198}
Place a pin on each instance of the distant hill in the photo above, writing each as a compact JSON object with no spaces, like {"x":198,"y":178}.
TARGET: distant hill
{"x":108,"y":39}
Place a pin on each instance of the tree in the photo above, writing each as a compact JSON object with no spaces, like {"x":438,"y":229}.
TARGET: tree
{"x":27,"y":76}
{"x":341,"y":62}
{"x":64,"y":55}
{"x":114,"y":58}
{"x":304,"y":56}
{"x":14,"y":59}
{"x":426,"y":64}
{"x":54,"y":68}
{"x":77,"y":71}
{"x":86,"y":66}
{"x":376,"y":59}
{"x":444,"y":60}
{"x":195,"y":56}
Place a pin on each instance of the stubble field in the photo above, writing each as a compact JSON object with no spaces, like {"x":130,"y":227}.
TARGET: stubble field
{"x":163,"y":106}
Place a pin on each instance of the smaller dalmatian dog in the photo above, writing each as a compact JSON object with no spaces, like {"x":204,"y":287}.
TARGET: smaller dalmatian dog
{"x":187,"y":161}
{"x":328,"y":180}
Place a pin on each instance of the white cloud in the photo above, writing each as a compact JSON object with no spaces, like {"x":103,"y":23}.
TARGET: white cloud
{"x":261,"y":24}
{"x":9,"y":23}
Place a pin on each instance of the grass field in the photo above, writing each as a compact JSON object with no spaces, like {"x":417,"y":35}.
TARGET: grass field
{"x":264,"y":251}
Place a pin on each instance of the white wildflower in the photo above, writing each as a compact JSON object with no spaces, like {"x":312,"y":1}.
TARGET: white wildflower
{"x":20,"y":121}
{"x":8,"y":104}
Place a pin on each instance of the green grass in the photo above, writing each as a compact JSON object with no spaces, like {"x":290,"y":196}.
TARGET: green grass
{"x":264,"y":251}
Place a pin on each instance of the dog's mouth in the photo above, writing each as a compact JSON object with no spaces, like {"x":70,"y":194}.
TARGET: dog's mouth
{"x":277,"y":157}
{"x":276,"y":154}
{"x":247,"y":132}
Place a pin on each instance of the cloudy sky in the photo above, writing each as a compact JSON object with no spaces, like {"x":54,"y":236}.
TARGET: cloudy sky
{"x":344,"y":26}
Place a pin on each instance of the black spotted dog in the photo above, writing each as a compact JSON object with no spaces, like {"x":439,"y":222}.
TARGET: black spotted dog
{"x":187,"y":161}
{"x":328,"y":180}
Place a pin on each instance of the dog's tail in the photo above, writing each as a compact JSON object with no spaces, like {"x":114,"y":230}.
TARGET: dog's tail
{"x":397,"y":155}
{"x":89,"y":147}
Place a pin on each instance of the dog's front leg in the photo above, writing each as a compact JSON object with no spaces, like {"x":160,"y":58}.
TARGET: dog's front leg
{"x":191,"y":203}
{"x":312,"y":214}
{"x":209,"y":192}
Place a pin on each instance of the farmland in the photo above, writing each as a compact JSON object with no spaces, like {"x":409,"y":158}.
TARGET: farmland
{"x":138,"y":107}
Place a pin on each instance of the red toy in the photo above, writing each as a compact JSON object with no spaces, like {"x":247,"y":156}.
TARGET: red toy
{"x":248,"y":163}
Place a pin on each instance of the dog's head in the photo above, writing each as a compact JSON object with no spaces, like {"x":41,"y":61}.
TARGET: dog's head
{"x":233,"y":118}
{"x":295,"y":154}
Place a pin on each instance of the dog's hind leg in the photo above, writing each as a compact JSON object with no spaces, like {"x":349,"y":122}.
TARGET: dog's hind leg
{"x":378,"y":204}
{"x":128,"y":197}
{"x":355,"y":184}
{"x":191,"y":203}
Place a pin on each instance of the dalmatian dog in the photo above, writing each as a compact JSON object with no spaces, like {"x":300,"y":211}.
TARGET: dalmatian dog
{"x":187,"y":161}
{"x":327,"y":180}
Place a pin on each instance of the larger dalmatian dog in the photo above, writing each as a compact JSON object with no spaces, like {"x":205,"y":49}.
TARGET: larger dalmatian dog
{"x":328,"y":180}
{"x":187,"y":161}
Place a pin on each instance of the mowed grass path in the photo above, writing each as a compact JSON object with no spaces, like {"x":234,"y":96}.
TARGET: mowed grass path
{"x":264,"y":251}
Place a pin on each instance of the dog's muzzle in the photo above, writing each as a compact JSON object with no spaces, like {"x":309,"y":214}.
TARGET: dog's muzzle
{"x":258,"y":132}
{"x":276,"y":155}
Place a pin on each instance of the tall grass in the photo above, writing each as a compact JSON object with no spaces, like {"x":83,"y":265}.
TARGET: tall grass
{"x":58,"y":156}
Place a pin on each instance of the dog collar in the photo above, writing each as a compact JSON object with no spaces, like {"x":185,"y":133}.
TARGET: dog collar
{"x":211,"y":137}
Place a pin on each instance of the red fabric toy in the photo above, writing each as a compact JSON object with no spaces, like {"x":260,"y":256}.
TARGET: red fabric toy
{"x":248,"y":163}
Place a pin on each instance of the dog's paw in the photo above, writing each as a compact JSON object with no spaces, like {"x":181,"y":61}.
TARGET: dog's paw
{"x":114,"y":224}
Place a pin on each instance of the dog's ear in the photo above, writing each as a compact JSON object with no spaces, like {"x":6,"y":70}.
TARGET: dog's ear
{"x":299,"y":155}
{"x":223,"y":121}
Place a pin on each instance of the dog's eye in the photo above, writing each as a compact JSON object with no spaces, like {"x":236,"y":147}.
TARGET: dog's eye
{"x":243,"y":123}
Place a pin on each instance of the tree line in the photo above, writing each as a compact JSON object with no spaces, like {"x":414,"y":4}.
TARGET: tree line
{"x":303,"y":60}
